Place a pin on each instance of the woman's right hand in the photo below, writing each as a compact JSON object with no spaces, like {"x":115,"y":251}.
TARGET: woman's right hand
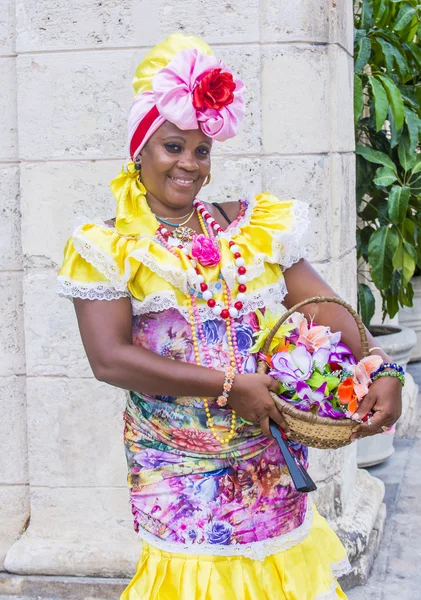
{"x":250,"y":399}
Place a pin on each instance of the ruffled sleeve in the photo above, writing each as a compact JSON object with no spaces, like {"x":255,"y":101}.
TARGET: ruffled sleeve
{"x":271,"y":233}
{"x":94,"y":264}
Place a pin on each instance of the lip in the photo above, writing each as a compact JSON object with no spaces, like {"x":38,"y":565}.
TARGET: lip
{"x":185,"y":183}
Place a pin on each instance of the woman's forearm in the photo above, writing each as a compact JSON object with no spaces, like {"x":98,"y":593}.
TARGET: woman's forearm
{"x":135,"y":368}
{"x":106,"y":330}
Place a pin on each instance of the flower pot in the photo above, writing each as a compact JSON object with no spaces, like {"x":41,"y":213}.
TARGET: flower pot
{"x":375,"y":449}
{"x":398,"y":343}
{"x":411,"y":317}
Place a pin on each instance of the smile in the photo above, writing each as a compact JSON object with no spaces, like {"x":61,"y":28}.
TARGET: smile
{"x":185,"y":182}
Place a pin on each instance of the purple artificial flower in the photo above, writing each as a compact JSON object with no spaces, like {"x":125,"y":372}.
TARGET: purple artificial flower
{"x":317,"y":398}
{"x":291,"y":367}
{"x":321,"y":357}
{"x":219,"y":532}
{"x":342,"y":355}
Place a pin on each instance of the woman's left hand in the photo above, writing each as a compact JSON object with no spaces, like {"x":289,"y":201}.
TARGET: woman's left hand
{"x":384,"y":399}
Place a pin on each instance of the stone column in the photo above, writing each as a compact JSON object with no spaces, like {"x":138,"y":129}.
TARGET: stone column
{"x":75,"y":66}
{"x":308,"y":153}
{"x":14,"y":491}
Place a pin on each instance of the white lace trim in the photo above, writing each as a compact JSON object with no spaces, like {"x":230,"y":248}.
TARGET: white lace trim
{"x":269,"y":297}
{"x":341,"y":567}
{"x":286,"y":250}
{"x":102,"y":261}
{"x":253,"y":550}
{"x":98,"y":290}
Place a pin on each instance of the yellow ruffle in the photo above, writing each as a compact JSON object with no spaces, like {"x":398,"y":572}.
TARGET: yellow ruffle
{"x":131,"y":261}
{"x":304,"y":572}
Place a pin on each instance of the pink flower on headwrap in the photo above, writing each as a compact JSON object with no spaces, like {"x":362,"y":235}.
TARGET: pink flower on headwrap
{"x":197,"y":90}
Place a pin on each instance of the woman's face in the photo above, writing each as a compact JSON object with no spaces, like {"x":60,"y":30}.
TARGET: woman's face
{"x":174,"y":165}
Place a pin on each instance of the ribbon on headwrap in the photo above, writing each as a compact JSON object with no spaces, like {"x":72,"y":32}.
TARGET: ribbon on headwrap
{"x":132,"y":214}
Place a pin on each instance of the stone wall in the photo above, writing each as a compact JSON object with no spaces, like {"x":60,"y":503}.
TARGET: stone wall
{"x":72,"y":63}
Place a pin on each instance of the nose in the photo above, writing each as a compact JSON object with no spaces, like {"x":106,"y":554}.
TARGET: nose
{"x":188,"y":161}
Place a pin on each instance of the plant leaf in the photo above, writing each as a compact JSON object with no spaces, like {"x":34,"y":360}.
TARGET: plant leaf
{"x":416,"y":52}
{"x":392,"y":52}
{"x":367,"y":14}
{"x":413,"y":124}
{"x":417,"y":167}
{"x":381,"y":102}
{"x":385,"y":176}
{"x":404,"y":17}
{"x":398,"y":204}
{"x":364,"y":51}
{"x":358,"y":97}
{"x":395,"y":99}
{"x":381,"y":249}
{"x":366,"y":303}
{"x":408,"y":231}
{"x":375,"y":156}
{"x":407,"y":156}
{"x":404,"y":260}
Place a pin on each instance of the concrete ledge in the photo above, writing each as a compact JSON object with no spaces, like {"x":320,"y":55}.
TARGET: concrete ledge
{"x":362,"y":566}
{"x":63,"y":588}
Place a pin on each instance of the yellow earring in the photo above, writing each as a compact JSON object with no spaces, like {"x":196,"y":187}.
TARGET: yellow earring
{"x":207,"y":180}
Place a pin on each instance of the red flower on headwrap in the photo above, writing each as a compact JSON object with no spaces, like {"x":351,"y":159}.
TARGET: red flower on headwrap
{"x":214,"y":91}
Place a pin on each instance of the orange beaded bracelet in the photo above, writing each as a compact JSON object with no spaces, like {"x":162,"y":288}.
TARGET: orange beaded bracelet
{"x":228,"y":383}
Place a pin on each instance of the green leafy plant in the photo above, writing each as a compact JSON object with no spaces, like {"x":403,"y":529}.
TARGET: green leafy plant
{"x":387,"y":109}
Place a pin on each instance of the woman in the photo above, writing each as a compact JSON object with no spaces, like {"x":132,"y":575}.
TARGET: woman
{"x":211,"y":496}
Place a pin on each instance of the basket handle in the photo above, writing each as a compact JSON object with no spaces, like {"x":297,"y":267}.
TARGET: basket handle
{"x":316,"y":300}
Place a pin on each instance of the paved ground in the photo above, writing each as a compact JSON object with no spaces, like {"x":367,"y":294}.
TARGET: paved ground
{"x":397,"y":570}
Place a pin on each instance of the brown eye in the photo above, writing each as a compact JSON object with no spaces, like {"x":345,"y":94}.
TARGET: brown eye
{"x":173,"y":148}
{"x":203,"y":151}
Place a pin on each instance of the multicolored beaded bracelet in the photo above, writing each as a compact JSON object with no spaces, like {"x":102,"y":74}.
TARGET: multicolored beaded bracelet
{"x":389,"y":374}
{"x":228,"y":383}
{"x":393,"y":366}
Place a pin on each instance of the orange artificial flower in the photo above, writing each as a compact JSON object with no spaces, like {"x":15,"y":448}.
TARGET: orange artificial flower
{"x":283,"y":347}
{"x":347,"y":395}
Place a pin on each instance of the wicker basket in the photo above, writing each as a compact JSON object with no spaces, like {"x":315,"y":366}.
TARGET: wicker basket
{"x":306,"y":427}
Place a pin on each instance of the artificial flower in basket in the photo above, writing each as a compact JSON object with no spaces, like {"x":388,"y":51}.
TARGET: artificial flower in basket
{"x":320,"y":382}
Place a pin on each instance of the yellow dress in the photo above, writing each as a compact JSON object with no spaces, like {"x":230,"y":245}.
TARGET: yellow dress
{"x":259,"y":539}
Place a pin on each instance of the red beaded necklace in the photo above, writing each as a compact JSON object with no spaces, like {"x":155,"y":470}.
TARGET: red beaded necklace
{"x":228,"y":311}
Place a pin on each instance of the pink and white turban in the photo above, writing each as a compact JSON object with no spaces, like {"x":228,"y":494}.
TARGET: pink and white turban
{"x":193,"y":90}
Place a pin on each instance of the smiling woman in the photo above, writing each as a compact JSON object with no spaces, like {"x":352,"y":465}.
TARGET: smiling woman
{"x":188,"y":292}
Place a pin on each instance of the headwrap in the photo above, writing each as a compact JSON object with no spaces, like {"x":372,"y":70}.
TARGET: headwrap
{"x":179,"y":80}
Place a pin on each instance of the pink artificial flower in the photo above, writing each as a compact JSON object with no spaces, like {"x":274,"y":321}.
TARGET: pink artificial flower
{"x":193,"y":439}
{"x":361,"y":374}
{"x":205,"y":251}
{"x":198,"y":90}
{"x":312,"y":338}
